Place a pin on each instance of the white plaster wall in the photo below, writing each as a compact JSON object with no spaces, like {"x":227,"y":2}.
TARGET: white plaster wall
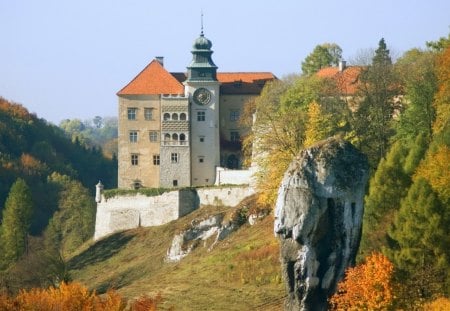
{"x":128,"y":212}
{"x":233,"y":177}
{"x":228,"y":196}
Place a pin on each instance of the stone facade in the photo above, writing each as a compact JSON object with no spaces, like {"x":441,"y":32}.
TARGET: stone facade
{"x":173,"y":135}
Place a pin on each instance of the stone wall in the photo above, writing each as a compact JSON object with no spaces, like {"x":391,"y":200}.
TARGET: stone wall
{"x":127,"y":212}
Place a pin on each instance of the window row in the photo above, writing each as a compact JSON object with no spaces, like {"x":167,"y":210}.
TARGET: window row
{"x":175,"y":139}
{"x":174,"y":116}
{"x":132,"y":113}
{"x":152,"y":136}
{"x":174,"y":158}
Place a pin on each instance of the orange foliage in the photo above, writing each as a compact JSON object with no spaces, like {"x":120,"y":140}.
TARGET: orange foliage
{"x":145,"y":303}
{"x":15,"y":110}
{"x":30,"y":165}
{"x":68,"y":297}
{"x":366,"y":287}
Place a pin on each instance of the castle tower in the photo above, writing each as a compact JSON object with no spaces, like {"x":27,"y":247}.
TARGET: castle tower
{"x":203,"y":88}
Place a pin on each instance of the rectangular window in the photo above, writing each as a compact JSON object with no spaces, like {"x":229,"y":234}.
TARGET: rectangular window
{"x":132,"y":113}
{"x":201,"y":159}
{"x":133,"y":136}
{"x":234,"y":136}
{"x":153,"y":136}
{"x":148,"y":113}
{"x":156,"y":159}
{"x":134,"y":159}
{"x":175,"y":183}
{"x":201,"y":116}
{"x":234,"y":115}
{"x":202,"y":139}
{"x":174,"y":158}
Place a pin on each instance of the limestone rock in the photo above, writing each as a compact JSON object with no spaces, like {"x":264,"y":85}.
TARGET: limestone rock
{"x":212,"y":229}
{"x":318,"y":217}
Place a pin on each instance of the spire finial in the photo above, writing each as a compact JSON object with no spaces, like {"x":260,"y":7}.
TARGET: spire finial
{"x":201,"y":22}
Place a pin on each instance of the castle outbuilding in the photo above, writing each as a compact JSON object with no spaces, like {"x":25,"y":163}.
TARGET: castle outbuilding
{"x":177,"y":129}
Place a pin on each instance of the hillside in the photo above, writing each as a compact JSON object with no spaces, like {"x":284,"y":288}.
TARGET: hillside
{"x":241,"y":272}
{"x":33,"y":149}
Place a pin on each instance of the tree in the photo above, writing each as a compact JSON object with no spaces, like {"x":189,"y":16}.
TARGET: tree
{"x":420,"y":231}
{"x":387,"y":187}
{"x":367,"y":286}
{"x":318,"y":126}
{"x":73,"y":223}
{"x":379,"y":90}
{"x":323,"y":55}
{"x":417,"y":70}
{"x":16,"y":222}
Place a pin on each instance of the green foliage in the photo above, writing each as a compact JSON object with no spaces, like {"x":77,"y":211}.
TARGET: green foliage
{"x":16,"y":223}
{"x":421,"y":231}
{"x":96,"y":133}
{"x":149,"y":192}
{"x":32,"y":149}
{"x":387,"y":187}
{"x":439,"y":45}
{"x":73,"y":223}
{"x":418,"y":73}
{"x":323,"y":55}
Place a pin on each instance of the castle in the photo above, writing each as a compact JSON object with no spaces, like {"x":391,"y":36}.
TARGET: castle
{"x":179,"y":129}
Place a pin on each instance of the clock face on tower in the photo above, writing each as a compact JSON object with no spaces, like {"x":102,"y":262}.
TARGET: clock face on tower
{"x":202,"y":96}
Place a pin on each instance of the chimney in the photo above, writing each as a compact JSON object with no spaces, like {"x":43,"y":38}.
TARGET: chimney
{"x":342,"y":65}
{"x":160,"y":60}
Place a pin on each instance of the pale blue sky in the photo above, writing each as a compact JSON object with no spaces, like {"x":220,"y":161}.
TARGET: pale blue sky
{"x":67,"y":59}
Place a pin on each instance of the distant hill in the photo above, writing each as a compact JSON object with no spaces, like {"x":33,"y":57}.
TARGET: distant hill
{"x":32,"y":148}
{"x":241,"y":272}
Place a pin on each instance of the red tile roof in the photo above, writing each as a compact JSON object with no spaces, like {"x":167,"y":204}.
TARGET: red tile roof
{"x":346,"y":80}
{"x":153,"y":80}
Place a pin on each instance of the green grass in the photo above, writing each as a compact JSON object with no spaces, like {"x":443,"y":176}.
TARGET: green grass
{"x":242,"y":272}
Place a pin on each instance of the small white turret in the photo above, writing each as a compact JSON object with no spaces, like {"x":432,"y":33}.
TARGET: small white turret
{"x":98,"y":192}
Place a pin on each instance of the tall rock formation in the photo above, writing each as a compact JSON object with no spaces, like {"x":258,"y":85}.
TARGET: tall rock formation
{"x":318,"y":217}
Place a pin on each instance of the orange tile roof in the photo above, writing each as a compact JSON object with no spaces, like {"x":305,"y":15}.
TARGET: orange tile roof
{"x":346,"y":80}
{"x":249,"y":77}
{"x":153,"y":80}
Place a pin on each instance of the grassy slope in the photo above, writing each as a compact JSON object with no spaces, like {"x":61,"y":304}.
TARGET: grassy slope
{"x":240,"y":273}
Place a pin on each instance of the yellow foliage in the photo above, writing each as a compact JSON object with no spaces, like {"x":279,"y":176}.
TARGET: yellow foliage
{"x":366,"y":287}
{"x":435,"y":169}
{"x":442,"y":102}
{"x":317,"y":127}
{"x":439,"y":304}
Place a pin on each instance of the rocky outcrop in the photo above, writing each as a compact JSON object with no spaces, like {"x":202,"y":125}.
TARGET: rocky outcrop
{"x":207,"y":231}
{"x":318,"y":217}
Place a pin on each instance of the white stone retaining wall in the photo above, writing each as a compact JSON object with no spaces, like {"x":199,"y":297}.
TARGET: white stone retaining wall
{"x":127,"y":212}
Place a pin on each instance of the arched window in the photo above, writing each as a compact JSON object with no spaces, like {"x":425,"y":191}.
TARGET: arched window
{"x":174,"y":136}
{"x":182,"y":116}
{"x":182,"y":136}
{"x":166,"y":116}
{"x":175,"y":116}
{"x":166,"y":137}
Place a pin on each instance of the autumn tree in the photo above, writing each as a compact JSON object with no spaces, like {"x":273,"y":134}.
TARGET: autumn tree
{"x":16,"y":223}
{"x":367,"y":286}
{"x":280,"y":123}
{"x":323,"y":55}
